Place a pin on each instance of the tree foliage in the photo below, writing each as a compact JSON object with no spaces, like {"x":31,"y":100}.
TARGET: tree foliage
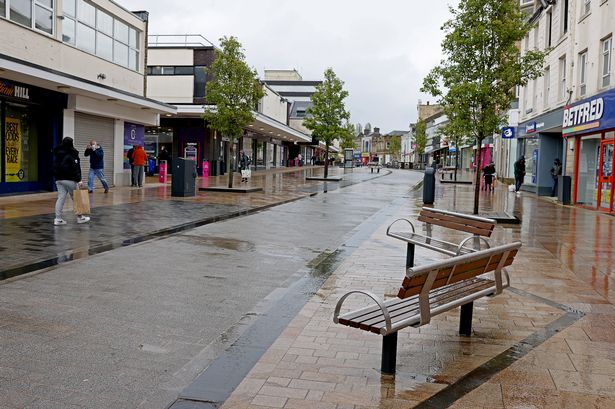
{"x":476,"y":81}
{"x":395,"y":146}
{"x":420,"y":138}
{"x":328,"y":112}
{"x":347,"y":136}
{"x":235,"y":91}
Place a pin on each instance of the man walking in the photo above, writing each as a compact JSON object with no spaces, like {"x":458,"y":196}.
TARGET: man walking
{"x":67,"y":172}
{"x":97,"y":165}
{"x":139,"y":159}
{"x":519,"y":173}
{"x":129,"y":154}
{"x":556,"y":171}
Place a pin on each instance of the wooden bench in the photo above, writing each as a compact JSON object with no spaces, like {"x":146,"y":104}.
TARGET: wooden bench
{"x":480,"y":229}
{"x":429,"y":290}
{"x":446,"y":170}
{"x":374,"y":165}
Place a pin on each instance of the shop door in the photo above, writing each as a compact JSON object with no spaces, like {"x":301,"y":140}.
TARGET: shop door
{"x":605,"y":180}
{"x":88,"y":127}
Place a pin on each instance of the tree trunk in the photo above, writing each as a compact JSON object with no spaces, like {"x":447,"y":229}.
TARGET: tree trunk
{"x":326,"y":160}
{"x":456,"y":161}
{"x":229,"y":167}
{"x":477,"y":178}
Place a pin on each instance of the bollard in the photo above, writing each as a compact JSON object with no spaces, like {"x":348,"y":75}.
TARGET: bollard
{"x":429,"y":186}
{"x":205,"y":168}
{"x":162,"y":178}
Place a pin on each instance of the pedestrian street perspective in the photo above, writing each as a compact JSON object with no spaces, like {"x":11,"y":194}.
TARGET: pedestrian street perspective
{"x":263,"y":205}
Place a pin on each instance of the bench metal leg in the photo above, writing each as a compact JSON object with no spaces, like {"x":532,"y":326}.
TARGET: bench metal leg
{"x":465,"y":319}
{"x":410,"y":255}
{"x":389,"y":354}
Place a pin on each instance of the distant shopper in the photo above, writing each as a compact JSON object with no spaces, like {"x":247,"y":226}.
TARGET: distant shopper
{"x":556,"y":171}
{"x":139,"y":159}
{"x":519,"y":173}
{"x":244,"y":164}
{"x":163,"y":154}
{"x":97,"y":165}
{"x":299,"y":161}
{"x":313,"y":160}
{"x":489,"y":175}
{"x":129,"y":154}
{"x":67,"y":172}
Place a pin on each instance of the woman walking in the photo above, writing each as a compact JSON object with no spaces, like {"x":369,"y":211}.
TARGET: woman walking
{"x":67,"y":172}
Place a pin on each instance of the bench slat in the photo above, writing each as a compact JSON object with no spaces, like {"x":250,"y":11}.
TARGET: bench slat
{"x":392,"y":306}
{"x":421,"y":240}
{"x":463,"y":273}
{"x":458,"y":219}
{"x":408,"y":308}
{"x":456,"y":224}
{"x":413,"y":309}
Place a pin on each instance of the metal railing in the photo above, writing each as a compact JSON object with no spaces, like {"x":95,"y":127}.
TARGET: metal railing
{"x":178,"y":40}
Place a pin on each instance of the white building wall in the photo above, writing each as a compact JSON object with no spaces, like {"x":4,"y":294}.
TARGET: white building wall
{"x":274,"y":106}
{"x":172,"y":89}
{"x":170,"y":56}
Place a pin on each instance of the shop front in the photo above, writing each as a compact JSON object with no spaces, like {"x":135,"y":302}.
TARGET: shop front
{"x":30,"y":126}
{"x":540,"y":141}
{"x":589,"y":127}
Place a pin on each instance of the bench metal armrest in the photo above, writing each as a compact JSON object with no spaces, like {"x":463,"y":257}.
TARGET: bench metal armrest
{"x":385,"y":312}
{"x":460,"y":247}
{"x":406,"y":220}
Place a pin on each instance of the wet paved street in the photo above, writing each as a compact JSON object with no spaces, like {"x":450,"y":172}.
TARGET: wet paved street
{"x":135,"y":326}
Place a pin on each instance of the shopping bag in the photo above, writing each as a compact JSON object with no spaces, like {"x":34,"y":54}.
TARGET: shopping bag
{"x":82,"y":202}
{"x":246,"y":173}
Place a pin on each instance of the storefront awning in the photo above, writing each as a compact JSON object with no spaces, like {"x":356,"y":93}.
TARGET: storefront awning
{"x":262,"y":124}
{"x":32,"y":74}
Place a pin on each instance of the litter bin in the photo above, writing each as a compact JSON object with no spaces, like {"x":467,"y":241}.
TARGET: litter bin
{"x":151,"y":166}
{"x":183,"y":182}
{"x":429,"y":186}
{"x":564,"y":184}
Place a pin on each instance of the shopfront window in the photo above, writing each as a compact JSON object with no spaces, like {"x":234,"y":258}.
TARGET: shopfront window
{"x":20,"y":145}
{"x":587,"y":190}
{"x":606,"y":177}
{"x":531,"y":161}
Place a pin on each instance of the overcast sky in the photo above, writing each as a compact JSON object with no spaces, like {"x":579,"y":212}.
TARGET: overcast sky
{"x":380,"y":49}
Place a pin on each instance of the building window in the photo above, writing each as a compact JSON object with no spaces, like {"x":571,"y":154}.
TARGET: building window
{"x":587,"y":5}
{"x":36,"y":14}
{"x":547,"y":88}
{"x":534,"y":94}
{"x":200,"y":78}
{"x":583,"y":73}
{"x":170,"y":70}
{"x":97,"y":32}
{"x":564,"y":9}
{"x":562,"y":78}
{"x":548,"y":32}
{"x":536,"y":37}
{"x":606,"y":61}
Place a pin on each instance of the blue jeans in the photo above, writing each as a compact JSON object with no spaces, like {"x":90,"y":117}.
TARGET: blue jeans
{"x":518,"y":182}
{"x":100,"y":175}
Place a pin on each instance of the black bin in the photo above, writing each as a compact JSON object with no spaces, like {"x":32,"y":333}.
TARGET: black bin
{"x":429,"y":186}
{"x":183,"y":183}
{"x":564,"y":186}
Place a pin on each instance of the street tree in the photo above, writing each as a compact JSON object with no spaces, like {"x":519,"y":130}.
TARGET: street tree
{"x":235,"y":90}
{"x":347,"y":136}
{"x":395,"y":147}
{"x":328,"y":112}
{"x":476,"y":80}
{"x":420,"y":138}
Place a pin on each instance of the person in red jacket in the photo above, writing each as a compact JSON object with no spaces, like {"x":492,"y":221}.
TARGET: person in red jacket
{"x":139,"y":159}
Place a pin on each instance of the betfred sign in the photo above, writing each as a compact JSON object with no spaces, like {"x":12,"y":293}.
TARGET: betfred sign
{"x":590,"y":115}
{"x":584,"y":114}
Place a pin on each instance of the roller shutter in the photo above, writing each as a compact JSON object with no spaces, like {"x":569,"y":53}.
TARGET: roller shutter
{"x":88,"y":127}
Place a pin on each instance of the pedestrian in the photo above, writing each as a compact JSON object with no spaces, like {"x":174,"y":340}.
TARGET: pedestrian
{"x":519,"y":173}
{"x":556,"y":171}
{"x":489,"y":176}
{"x":244,"y":164}
{"x":129,"y":154}
{"x":313,"y":160}
{"x":139,"y":159}
{"x":299,"y":162}
{"x":67,"y":172}
{"x":97,"y":165}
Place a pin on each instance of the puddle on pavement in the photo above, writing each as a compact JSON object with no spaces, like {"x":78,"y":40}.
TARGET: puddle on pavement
{"x":219,"y":242}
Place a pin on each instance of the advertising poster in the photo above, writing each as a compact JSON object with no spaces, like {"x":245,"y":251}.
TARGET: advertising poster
{"x":12,"y":155}
{"x":133,"y":135}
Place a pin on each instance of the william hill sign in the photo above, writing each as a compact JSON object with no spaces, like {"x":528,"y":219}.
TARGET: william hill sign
{"x":11,"y":90}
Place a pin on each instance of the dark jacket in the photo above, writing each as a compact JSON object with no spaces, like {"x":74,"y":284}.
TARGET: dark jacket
{"x":556,"y":170}
{"x":129,"y":154}
{"x":97,"y":157}
{"x":66,"y":164}
{"x":244,"y":162}
{"x":520,"y":168}
{"x":488,"y":172}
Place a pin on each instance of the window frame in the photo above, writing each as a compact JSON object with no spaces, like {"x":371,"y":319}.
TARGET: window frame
{"x":122,"y":42}
{"x":562,"y":78}
{"x":583,"y":73}
{"x":603,"y":54}
{"x":546,"y":87}
{"x":33,"y":5}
